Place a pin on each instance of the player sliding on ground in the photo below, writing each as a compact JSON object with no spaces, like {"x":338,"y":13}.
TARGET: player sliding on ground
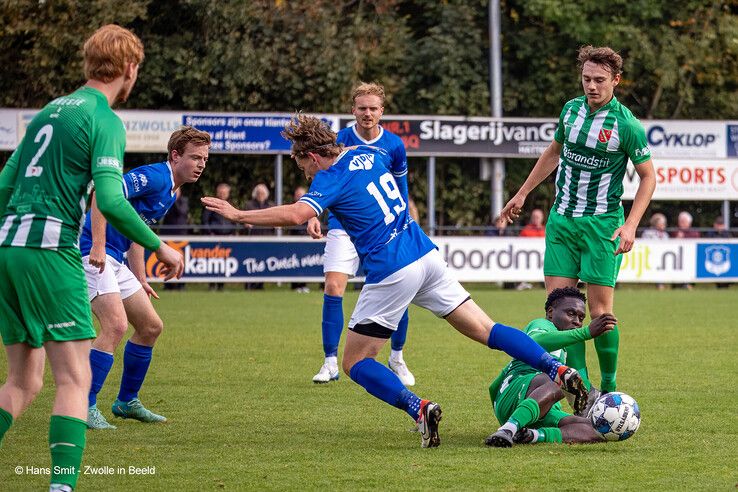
{"x":525,"y":400}
{"x":402,"y":266}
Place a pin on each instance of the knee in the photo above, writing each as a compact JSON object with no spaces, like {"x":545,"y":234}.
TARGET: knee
{"x":347,"y":364}
{"x":552,"y":394}
{"x":116,"y":327}
{"x":151,"y":329}
{"x":335,"y":287}
{"x":29,"y":386}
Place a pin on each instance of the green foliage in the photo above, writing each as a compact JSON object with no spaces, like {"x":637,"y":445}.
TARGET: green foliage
{"x":232,"y":374}
{"x":681,"y":61}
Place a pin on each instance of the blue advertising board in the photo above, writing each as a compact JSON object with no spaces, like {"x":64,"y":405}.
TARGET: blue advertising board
{"x":245,"y":260}
{"x":717,"y":260}
{"x":238,"y":134}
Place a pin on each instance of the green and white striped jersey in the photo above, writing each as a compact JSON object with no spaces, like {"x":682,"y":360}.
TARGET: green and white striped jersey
{"x":595,"y":153}
{"x":72,"y":139}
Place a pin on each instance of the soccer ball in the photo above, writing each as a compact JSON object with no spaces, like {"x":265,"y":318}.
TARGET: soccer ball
{"x":616,"y":416}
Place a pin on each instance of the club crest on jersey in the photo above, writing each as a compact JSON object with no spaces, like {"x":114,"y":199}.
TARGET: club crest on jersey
{"x":605,"y":135}
{"x":362,"y":161}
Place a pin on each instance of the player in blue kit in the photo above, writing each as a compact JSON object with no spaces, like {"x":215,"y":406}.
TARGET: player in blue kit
{"x":119,"y":294}
{"x":402,"y":266}
{"x":341,"y":260}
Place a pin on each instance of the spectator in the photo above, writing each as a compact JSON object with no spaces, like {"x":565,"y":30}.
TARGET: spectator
{"x":684,"y":227}
{"x":719,"y":231}
{"x":259,"y":200}
{"x":534,"y":227}
{"x":217,"y":225}
{"x":685,"y":231}
{"x":657,"y":229}
{"x":301,"y":230}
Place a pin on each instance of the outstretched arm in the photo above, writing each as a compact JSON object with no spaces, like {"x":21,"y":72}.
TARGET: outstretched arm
{"x":554,"y":340}
{"x":543,"y":168}
{"x":284,"y":215}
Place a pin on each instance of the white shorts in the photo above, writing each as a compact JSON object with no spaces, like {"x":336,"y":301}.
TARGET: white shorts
{"x":116,"y":278}
{"x":426,"y":282}
{"x":340,"y":255}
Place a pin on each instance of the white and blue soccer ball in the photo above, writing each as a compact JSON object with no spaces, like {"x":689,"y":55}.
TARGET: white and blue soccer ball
{"x":616,"y":416}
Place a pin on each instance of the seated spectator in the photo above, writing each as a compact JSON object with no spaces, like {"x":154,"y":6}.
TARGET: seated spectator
{"x":535,"y":226}
{"x":259,"y":200}
{"x":685,"y":231}
{"x":657,"y":229}
{"x":217,"y":225}
{"x":301,"y":230}
{"x":684,"y":225}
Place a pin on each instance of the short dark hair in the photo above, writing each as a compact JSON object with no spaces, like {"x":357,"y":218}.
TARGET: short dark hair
{"x":558,"y":294}
{"x":604,"y":55}
{"x":185,"y":135}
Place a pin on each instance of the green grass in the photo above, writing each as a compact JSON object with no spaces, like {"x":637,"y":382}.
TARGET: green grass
{"x":233,"y":372}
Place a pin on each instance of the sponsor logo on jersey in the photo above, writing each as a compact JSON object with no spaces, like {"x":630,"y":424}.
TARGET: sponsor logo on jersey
{"x":605,"y":135}
{"x":362,"y":162}
{"x":109,"y":162}
{"x":643,"y":152}
{"x":590,"y":162}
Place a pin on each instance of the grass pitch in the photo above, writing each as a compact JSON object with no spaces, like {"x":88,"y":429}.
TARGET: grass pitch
{"x":233,"y":370}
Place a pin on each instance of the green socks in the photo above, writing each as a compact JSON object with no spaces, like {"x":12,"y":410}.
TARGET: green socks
{"x":549,"y":434}
{"x":66,"y":443}
{"x":607,"y":353}
{"x":6,"y":420}
{"x":576,"y":358}
{"x":526,"y":413}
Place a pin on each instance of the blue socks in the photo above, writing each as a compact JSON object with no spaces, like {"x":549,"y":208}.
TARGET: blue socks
{"x":400,"y":335}
{"x":519,"y":345}
{"x":100,"y":364}
{"x":136,"y":361}
{"x":384,"y":384}
{"x":332,"y":324}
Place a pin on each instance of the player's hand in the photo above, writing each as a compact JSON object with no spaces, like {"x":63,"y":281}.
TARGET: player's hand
{"x":221,"y":207}
{"x":627,"y":236}
{"x":511,"y":211}
{"x":172,"y":259}
{"x":148,"y":289}
{"x":313,"y":228}
{"x":602,"y":324}
{"x":97,"y":256}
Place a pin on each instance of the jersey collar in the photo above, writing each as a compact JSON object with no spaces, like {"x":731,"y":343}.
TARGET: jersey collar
{"x":171,"y":176}
{"x":368,"y":142}
{"x":607,"y":107}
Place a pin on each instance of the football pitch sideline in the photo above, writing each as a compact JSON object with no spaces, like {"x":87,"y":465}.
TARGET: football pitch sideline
{"x":232,"y":373}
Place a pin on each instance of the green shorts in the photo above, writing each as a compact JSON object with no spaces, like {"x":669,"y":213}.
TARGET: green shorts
{"x":43,"y":296}
{"x":580,"y":247}
{"x":514,"y":392}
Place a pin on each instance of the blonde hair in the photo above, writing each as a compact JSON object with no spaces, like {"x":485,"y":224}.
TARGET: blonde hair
{"x":184,"y":135}
{"x":109,"y":50}
{"x":309,"y":134}
{"x":364,"y":89}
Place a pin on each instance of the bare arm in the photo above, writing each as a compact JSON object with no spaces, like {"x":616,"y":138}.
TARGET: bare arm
{"x":627,"y":231}
{"x":543,"y":168}
{"x":138,"y":267}
{"x":283,"y":215}
{"x":98,"y":225}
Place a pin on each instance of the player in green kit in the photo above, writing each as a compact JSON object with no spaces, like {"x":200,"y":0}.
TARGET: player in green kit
{"x":525,"y":401}
{"x":587,"y":232}
{"x":44,"y":188}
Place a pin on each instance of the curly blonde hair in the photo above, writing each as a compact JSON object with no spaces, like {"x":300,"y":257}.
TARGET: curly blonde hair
{"x":310,"y":134}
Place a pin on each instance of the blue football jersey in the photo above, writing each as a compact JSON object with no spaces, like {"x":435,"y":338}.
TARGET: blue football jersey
{"x":150,"y":190}
{"x":385,"y":140}
{"x":362,"y":192}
